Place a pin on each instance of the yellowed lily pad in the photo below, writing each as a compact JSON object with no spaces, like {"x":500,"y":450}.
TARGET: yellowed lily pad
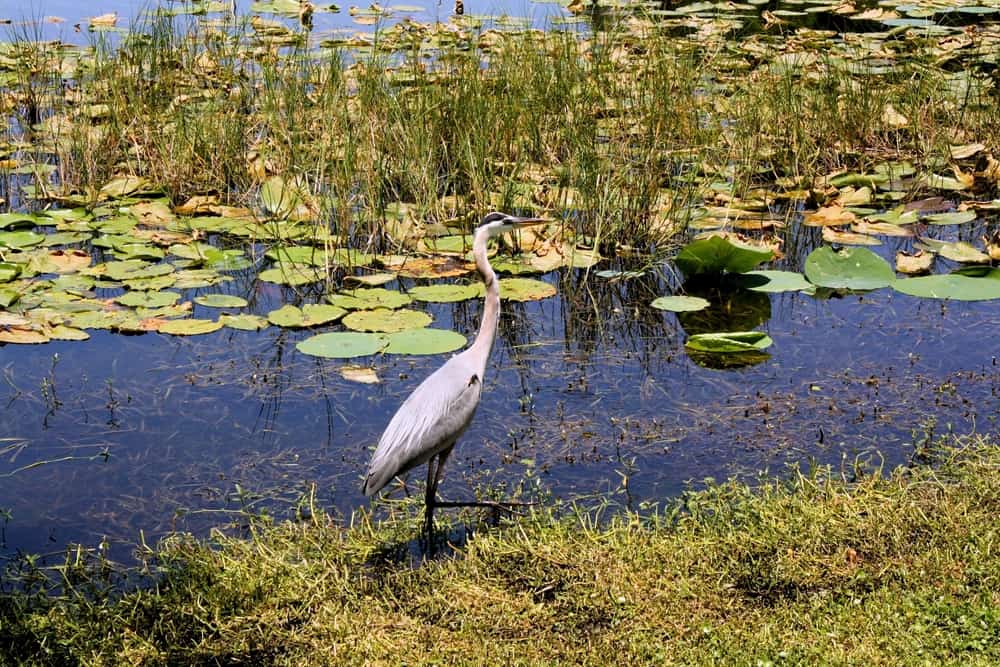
{"x":190,"y":327}
{"x":385,"y":320}
{"x":362,"y":374}
{"x":310,"y":315}
{"x":445,"y":293}
{"x":918,"y":262}
{"x":369,"y":298}
{"x":148,"y":299}
{"x":244,"y":322}
{"x":220,"y":301}
{"x":524,"y":289}
{"x":680,"y":303}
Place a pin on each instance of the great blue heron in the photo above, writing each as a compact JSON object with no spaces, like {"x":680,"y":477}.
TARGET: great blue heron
{"x":430,"y":421}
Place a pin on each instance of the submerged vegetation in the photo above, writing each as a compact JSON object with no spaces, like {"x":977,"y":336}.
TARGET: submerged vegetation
{"x":814,"y":569}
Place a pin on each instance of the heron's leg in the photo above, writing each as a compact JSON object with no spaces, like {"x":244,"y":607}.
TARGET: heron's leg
{"x":435,"y":468}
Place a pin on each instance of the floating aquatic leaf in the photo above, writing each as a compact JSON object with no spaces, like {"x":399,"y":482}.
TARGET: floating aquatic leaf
{"x":193,"y":278}
{"x":22,"y":335}
{"x":362,"y":374}
{"x":153,"y":284}
{"x":433,"y":267}
{"x":190,"y":327}
{"x":717,"y":254}
{"x":20,"y":239}
{"x":164,"y":312}
{"x":244,"y":322}
{"x":523,"y":289}
{"x":831,"y":235}
{"x":369,"y":298}
{"x":123,"y":185}
{"x":8,"y":296}
{"x":460,"y":243}
{"x":952,"y":286}
{"x":148,"y":299}
{"x":293,"y":275}
{"x":951,"y":218}
{"x":610,"y":274}
{"x":680,"y":304}
{"x":918,"y":262}
{"x":424,"y":341}
{"x":15,"y":220}
{"x":849,"y":268}
{"x":776,"y":281}
{"x":310,"y":315}
{"x":959,"y":251}
{"x":372,"y":279}
{"x":9,"y":271}
{"x":342,"y":345}
{"x":66,"y":261}
{"x":445,"y":293}
{"x":220,"y":301}
{"x":386,"y":320}
{"x":730,"y":342}
{"x":63,"y":332}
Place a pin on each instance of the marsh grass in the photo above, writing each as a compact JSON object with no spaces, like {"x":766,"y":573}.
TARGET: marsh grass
{"x":810,"y":569}
{"x":624,"y":132}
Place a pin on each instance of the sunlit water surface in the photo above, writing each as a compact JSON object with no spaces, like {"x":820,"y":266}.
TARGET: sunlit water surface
{"x":589,"y":395}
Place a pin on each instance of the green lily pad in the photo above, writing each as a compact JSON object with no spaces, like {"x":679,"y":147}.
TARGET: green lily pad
{"x":190,"y":327}
{"x":310,"y":315}
{"x":244,"y":322}
{"x":445,"y":293}
{"x":342,"y":345}
{"x":9,"y":271}
{"x":151,"y":284}
{"x":849,"y":268}
{"x":680,"y":304}
{"x":775,"y":281}
{"x":20,"y":239}
{"x":717,"y":254}
{"x":220,"y":301}
{"x":8,"y":296}
{"x":292,"y":275}
{"x":148,"y":299}
{"x":15,"y":220}
{"x":952,"y":286}
{"x":458,"y":243}
{"x":951,"y":218}
{"x":730,"y":342}
{"x":424,"y":341}
{"x":386,"y":320}
{"x":523,"y":289}
{"x":368,"y":298}
{"x":193,"y":278}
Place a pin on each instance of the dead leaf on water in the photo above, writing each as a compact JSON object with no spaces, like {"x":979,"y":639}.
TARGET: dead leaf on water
{"x":829,"y":216}
{"x":361,"y":374}
{"x":918,"y":262}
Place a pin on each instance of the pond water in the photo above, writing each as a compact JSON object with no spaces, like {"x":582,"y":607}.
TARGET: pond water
{"x":589,"y":394}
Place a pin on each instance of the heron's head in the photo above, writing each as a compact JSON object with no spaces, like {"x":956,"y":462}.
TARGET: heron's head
{"x":498,"y":223}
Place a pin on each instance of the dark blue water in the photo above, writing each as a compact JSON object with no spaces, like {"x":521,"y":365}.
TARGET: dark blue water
{"x":589,"y":392}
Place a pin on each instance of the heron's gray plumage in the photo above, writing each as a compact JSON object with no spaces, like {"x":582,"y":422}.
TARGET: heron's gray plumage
{"x":439,"y":410}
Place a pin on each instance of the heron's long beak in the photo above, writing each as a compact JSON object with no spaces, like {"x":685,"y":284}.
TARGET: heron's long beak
{"x":525,"y":222}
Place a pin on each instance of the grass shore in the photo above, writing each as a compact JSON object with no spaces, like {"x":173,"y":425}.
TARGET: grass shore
{"x":901,"y":569}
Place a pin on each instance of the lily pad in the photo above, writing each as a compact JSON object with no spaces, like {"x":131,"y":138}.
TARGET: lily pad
{"x":342,"y":345}
{"x":220,"y":301}
{"x":523,"y":289}
{"x":9,"y":271}
{"x":951,"y":218}
{"x":190,"y":327}
{"x":729,"y":342}
{"x":424,"y":341}
{"x":20,"y":239}
{"x":386,"y":320}
{"x":717,"y":254}
{"x":148,"y":299}
{"x":952,"y":286}
{"x":849,"y":268}
{"x":369,"y":298}
{"x":310,"y":315}
{"x":445,"y":293}
{"x":244,"y":322}
{"x":292,"y":275}
{"x":680,"y":304}
{"x":959,"y":251}
{"x":776,"y":281}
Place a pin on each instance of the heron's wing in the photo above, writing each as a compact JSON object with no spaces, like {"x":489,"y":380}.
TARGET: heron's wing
{"x":429,"y":421}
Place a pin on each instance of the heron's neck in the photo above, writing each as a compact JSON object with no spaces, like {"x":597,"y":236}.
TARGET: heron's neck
{"x":491,"y":308}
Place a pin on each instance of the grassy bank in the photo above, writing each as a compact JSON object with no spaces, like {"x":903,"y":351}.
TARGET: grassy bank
{"x":893,"y":570}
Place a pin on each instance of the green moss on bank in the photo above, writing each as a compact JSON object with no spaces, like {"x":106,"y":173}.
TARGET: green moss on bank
{"x":900,"y":570}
